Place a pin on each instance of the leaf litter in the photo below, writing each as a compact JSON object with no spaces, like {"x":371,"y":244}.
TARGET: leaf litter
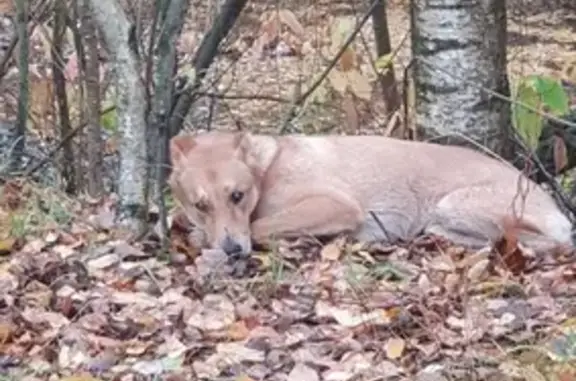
{"x":78,"y":302}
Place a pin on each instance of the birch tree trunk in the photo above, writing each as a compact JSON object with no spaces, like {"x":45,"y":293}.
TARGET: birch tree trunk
{"x":459,"y":48}
{"x":120,"y":39}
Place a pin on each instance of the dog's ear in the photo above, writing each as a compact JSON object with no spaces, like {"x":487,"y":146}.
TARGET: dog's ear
{"x":180,"y":145}
{"x":257,"y":151}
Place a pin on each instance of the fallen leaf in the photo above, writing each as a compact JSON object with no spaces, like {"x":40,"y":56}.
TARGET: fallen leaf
{"x":331,"y":252}
{"x":394,"y":348}
{"x":7,"y":245}
{"x":508,"y":249}
{"x":238,"y":330}
{"x":86,"y":377}
{"x":478,"y":270}
{"x":560,"y":154}
{"x":6,"y":331}
{"x":301,"y":372}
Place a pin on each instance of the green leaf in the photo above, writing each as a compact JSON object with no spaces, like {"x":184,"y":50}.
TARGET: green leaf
{"x":384,"y":62}
{"x":528,"y":123}
{"x":552,"y":94}
{"x":544,"y":94}
{"x":109,"y":120}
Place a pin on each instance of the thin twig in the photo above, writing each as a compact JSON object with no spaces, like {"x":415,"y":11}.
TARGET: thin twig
{"x":73,"y":132}
{"x":330,"y":66}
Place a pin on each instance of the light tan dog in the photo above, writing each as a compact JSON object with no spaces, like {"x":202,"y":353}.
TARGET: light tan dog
{"x":239,"y":188}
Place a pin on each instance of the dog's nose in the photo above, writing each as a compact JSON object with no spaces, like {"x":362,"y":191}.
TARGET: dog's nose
{"x":231,"y":247}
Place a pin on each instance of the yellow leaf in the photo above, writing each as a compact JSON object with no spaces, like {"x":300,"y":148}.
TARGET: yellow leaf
{"x":244,"y":378}
{"x":384,"y":62}
{"x":238,"y":331}
{"x":264,"y":259}
{"x":394,"y":348}
{"x":7,"y":245}
{"x":331,"y":252}
{"x":86,"y":377}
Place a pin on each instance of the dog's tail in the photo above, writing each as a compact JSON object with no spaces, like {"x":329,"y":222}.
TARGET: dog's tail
{"x":553,"y":237}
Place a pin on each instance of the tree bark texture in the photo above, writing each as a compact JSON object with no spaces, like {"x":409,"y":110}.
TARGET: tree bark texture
{"x":67,"y":160}
{"x":91,"y":77}
{"x":120,"y":39}
{"x":459,"y":47}
{"x":23,"y":96}
{"x":171,"y":18}
{"x":383,"y":47}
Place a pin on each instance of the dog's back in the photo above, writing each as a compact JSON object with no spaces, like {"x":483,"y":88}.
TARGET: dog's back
{"x":414,"y":186}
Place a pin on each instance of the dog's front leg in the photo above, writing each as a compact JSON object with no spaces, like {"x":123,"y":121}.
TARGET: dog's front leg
{"x":317,"y":214}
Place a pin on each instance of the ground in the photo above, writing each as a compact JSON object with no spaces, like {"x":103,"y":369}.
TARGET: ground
{"x":81,"y":301}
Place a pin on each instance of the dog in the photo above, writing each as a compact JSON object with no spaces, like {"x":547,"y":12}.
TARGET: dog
{"x":240,"y":188}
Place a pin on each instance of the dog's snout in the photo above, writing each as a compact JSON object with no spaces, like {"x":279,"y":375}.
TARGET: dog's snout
{"x":231,"y":247}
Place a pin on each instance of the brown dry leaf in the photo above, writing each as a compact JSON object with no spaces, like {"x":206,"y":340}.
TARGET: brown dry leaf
{"x":508,"y":249}
{"x":41,"y":98}
{"x":560,"y":154}
{"x":7,"y":7}
{"x":7,"y":245}
{"x":238,"y":330}
{"x":331,"y":252}
{"x":394,"y":348}
{"x":6,"y":331}
{"x":347,"y":60}
{"x":12,"y":195}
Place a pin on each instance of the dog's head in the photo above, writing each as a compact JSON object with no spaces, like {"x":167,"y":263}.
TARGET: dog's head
{"x":216,"y":179}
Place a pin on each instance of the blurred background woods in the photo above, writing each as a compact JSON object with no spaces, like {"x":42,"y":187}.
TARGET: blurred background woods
{"x":92,"y":90}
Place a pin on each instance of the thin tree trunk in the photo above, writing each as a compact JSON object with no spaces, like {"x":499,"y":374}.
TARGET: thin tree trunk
{"x":91,"y":79}
{"x":120,"y":38}
{"x":23,"y":96}
{"x":383,"y":47}
{"x":171,"y":16}
{"x":459,"y":48}
{"x":67,"y":161}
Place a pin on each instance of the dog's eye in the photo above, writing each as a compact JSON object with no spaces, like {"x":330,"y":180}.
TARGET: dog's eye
{"x":201,"y":206}
{"x":236,"y":197}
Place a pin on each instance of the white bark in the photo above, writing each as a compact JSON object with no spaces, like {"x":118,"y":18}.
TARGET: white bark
{"x":459,"y":47}
{"x":119,"y":37}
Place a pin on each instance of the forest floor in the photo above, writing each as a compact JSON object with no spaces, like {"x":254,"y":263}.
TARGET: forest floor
{"x":81,"y":301}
